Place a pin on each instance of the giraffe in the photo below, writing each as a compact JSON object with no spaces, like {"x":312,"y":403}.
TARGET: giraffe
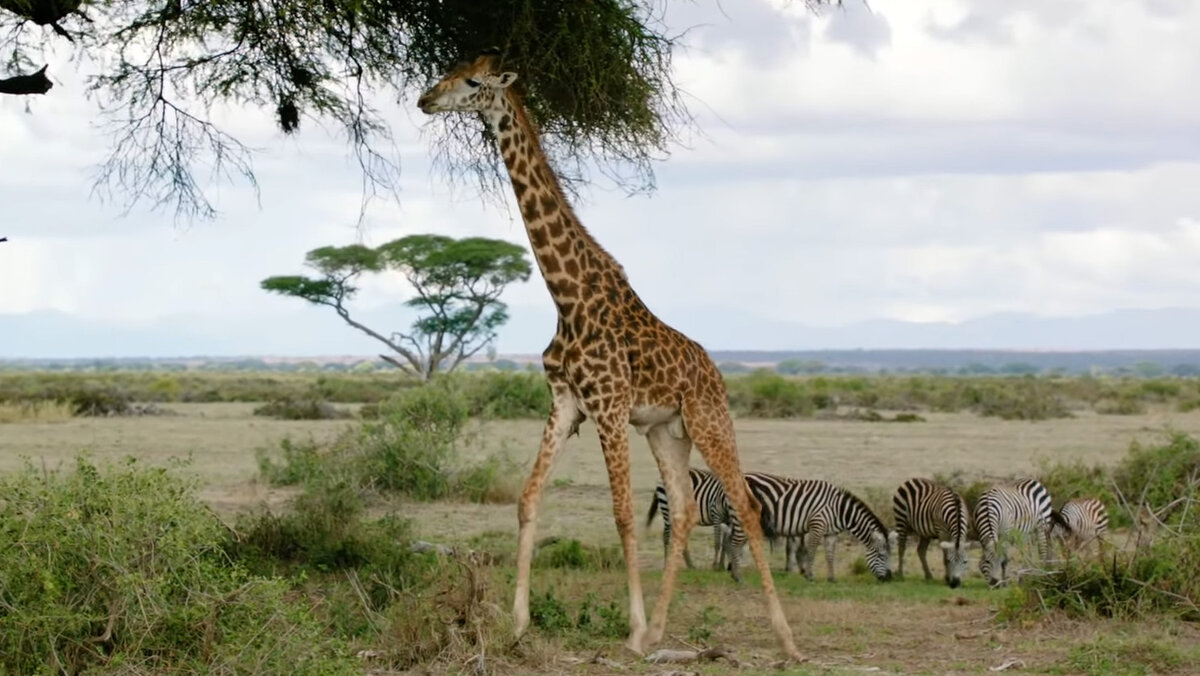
{"x":611,"y":359}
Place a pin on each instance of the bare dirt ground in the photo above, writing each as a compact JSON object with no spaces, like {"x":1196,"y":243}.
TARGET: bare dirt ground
{"x":853,"y":625}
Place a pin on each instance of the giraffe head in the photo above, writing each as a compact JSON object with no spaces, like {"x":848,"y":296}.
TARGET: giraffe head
{"x":476,"y":85}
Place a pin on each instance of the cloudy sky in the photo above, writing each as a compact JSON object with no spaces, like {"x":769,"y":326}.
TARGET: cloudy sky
{"x":923,"y":160}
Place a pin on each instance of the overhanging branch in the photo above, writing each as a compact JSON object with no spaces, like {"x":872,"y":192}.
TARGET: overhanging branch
{"x":22,"y":85}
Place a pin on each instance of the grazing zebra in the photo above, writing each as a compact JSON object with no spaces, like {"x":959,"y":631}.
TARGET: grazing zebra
{"x":714,"y":511}
{"x":1080,"y":522}
{"x":807,"y":512}
{"x":1001,"y":510}
{"x":932,"y":511}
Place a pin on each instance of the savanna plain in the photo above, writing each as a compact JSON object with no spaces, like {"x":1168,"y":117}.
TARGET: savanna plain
{"x":328,"y":512}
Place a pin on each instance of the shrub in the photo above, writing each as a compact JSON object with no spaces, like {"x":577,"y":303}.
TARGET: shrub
{"x":505,"y":395}
{"x":1078,"y":480}
{"x":572,"y":553}
{"x":35,"y":411}
{"x":411,"y":449}
{"x":1121,"y":406}
{"x":124,"y":566}
{"x":1161,"y":573}
{"x":99,"y":401}
{"x":300,"y":409}
{"x":1158,"y":475}
{"x":765,"y":394}
{"x":1025,"y":399}
{"x":301,"y":463}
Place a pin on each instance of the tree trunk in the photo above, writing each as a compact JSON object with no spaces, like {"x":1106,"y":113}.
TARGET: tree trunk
{"x":34,"y":83}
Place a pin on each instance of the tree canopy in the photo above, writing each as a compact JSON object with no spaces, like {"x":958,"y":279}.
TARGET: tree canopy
{"x":596,"y":75}
{"x":458,"y":283}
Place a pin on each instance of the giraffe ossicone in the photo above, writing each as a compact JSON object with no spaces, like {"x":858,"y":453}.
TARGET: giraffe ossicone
{"x":611,"y":359}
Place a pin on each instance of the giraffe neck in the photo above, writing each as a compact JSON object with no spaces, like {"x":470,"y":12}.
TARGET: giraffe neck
{"x":567,"y":255}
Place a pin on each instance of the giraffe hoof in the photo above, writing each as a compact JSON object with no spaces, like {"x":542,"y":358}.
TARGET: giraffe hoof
{"x":637,"y":641}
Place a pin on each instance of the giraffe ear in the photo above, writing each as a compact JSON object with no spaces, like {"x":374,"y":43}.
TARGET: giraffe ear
{"x":505,"y":79}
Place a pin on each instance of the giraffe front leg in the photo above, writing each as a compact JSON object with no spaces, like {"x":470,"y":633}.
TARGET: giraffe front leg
{"x":672,"y":453}
{"x":614,"y":441}
{"x":564,"y":418}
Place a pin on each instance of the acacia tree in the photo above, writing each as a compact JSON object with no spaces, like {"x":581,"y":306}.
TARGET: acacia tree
{"x":457,"y":282}
{"x":596,"y":76}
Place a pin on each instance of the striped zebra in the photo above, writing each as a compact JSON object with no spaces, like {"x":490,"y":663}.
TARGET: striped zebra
{"x":807,"y":512}
{"x":1080,"y":522}
{"x":1002,"y":510}
{"x":931,"y":511}
{"x":714,"y":511}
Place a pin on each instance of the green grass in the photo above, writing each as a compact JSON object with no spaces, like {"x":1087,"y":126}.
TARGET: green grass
{"x":1121,"y":656}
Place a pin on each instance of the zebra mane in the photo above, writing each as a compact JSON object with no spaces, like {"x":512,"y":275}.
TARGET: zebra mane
{"x":855,"y":502}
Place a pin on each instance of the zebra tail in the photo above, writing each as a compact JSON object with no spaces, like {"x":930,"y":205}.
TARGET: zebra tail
{"x":766,"y":518}
{"x":1057,"y":519}
{"x":653,"y":511}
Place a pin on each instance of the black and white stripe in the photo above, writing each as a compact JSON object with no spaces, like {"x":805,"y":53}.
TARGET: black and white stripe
{"x":1003,"y":510}
{"x":1080,"y":522}
{"x":713,"y":508}
{"x":932,"y":511}
{"x":808,"y":512}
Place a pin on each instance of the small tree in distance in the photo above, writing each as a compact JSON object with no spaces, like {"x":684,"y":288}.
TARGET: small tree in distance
{"x":457,"y":283}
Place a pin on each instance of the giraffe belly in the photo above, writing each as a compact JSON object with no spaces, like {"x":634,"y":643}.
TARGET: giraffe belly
{"x":644,"y":417}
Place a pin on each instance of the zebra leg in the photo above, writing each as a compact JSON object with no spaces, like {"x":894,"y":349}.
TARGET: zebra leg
{"x":790,"y":563}
{"x":671,"y":452}
{"x":830,"y":545}
{"x":812,"y":543}
{"x":718,"y":546}
{"x":922,"y":552}
{"x":901,"y":541}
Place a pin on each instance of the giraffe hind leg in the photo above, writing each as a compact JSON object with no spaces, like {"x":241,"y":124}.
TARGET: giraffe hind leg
{"x":707,"y":420}
{"x":564,"y":417}
{"x":672,"y":453}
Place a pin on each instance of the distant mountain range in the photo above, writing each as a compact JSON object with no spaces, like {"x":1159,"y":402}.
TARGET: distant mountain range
{"x":730,"y":335}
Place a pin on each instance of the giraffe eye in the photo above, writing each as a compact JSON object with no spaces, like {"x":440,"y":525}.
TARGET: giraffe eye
{"x":472,"y":83}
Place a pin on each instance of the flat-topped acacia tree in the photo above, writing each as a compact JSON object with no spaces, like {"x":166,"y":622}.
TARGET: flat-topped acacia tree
{"x":602,"y":89}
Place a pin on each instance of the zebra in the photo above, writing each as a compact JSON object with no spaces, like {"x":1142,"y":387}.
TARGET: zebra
{"x":1023,"y":507}
{"x":1080,"y":522}
{"x":714,"y":511}
{"x":807,"y":511}
{"x":932,"y":511}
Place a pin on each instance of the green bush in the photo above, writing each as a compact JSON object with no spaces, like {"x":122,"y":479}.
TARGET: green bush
{"x":765,"y":394}
{"x":1157,"y":475}
{"x":411,"y":449}
{"x":1161,"y":574}
{"x":1121,"y":406}
{"x":300,"y":409}
{"x":573,"y":554}
{"x":1078,"y":480}
{"x":504,"y":395}
{"x":302,"y":462}
{"x":1024,"y":399}
{"x":99,"y":402}
{"x":123,"y":567}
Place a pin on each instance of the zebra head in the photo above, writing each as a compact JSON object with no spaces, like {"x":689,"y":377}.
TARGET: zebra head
{"x":993,"y":564}
{"x":954,"y":556}
{"x":879,"y":554}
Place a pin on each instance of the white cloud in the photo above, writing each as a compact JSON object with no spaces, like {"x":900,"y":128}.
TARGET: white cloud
{"x":929,"y":160}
